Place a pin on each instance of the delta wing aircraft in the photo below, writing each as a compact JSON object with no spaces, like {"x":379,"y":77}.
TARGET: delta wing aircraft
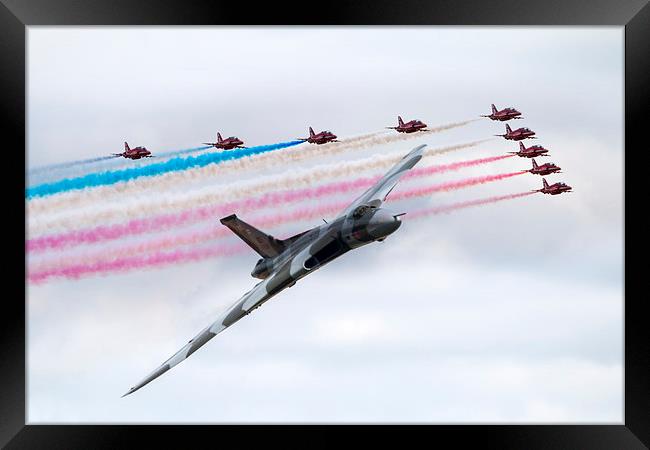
{"x":285,"y":261}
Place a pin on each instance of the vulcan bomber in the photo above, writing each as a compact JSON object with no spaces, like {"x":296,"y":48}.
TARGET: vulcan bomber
{"x":285,"y":261}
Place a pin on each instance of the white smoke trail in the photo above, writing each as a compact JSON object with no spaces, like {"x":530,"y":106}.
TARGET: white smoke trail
{"x":146,"y":205}
{"x":103,"y":193}
{"x":81,"y":199}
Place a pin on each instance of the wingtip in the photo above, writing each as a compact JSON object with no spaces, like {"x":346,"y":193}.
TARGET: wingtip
{"x":230,"y":218}
{"x":130,"y":391}
{"x":415,"y":151}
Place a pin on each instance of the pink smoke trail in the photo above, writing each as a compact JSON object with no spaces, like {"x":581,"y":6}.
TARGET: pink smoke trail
{"x":417,"y":172}
{"x":135,"y":262}
{"x":159,"y":258}
{"x":451,"y":185}
{"x":197,"y":237}
{"x":467,"y":204}
{"x":138,"y":226}
{"x":123,"y":264}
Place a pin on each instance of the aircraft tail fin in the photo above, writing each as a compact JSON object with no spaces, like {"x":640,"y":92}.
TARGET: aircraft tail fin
{"x":545,"y":183}
{"x":534,"y":164}
{"x":219,"y":138}
{"x":508,"y":129}
{"x":400,"y":121}
{"x":494,"y":109}
{"x":264,"y":244}
{"x":521,"y":146}
{"x":126,"y":147}
{"x":311,"y":132}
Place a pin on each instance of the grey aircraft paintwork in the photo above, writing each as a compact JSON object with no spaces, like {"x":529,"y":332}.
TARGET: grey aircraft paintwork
{"x":286,"y":261}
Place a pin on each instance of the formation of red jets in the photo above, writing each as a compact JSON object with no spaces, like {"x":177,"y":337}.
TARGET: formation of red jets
{"x":233,"y":142}
{"x":413,"y":126}
{"x":529,"y":152}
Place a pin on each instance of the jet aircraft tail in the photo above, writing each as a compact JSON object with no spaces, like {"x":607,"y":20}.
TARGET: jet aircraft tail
{"x":264,"y":244}
{"x":521,"y":146}
{"x":494,"y":109}
{"x":400,"y":121}
{"x":534,"y":164}
{"x":545,"y":183}
{"x":219,"y":138}
{"x":508,"y":129}
{"x":311,"y":132}
{"x":126,"y":147}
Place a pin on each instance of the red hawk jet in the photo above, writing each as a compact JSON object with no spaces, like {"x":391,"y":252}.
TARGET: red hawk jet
{"x":408,"y":127}
{"x":504,"y":114}
{"x":544,"y":169}
{"x":226,"y":144}
{"x":530,"y":152}
{"x":554,"y":189}
{"x":134,"y":153}
{"x":518,"y":134}
{"x":321,"y":138}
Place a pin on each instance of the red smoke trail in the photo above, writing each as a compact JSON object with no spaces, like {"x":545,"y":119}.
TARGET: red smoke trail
{"x":192,"y":238}
{"x":418,"y":172}
{"x":461,"y":205}
{"x":451,"y":185}
{"x":159,"y":258}
{"x":135,"y":262}
{"x":123,"y":264}
{"x":126,"y":263}
{"x":139,"y":226}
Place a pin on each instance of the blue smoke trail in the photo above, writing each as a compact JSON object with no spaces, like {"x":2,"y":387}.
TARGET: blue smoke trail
{"x":172,"y":165}
{"x":70,"y":164}
{"x":183,"y":151}
{"x":54,"y":172}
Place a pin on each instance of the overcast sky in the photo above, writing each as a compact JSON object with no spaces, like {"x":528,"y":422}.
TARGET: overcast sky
{"x":504,"y":313}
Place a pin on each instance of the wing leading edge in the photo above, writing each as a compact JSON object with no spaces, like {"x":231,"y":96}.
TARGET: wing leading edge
{"x":243,"y":306}
{"x":378,"y":192}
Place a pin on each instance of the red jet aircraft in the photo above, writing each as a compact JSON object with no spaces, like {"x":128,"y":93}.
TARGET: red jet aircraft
{"x":554,"y":189}
{"x":504,"y":114}
{"x":408,"y":127}
{"x":321,"y":138}
{"x":134,"y":153}
{"x":226,"y":144}
{"x":544,"y":169}
{"x":518,"y":134}
{"x":530,"y":152}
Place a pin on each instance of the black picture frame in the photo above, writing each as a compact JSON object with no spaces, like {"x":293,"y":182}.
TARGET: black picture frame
{"x":16,"y":15}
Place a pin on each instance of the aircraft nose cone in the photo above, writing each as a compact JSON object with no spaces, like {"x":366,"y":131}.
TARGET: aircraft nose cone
{"x":382,"y":224}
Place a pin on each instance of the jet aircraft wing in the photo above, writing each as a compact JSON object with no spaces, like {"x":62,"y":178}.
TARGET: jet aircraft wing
{"x":249,"y":301}
{"x":378,"y":192}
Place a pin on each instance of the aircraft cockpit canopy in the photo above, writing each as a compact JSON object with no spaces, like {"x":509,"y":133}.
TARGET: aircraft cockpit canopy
{"x":360,"y":211}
